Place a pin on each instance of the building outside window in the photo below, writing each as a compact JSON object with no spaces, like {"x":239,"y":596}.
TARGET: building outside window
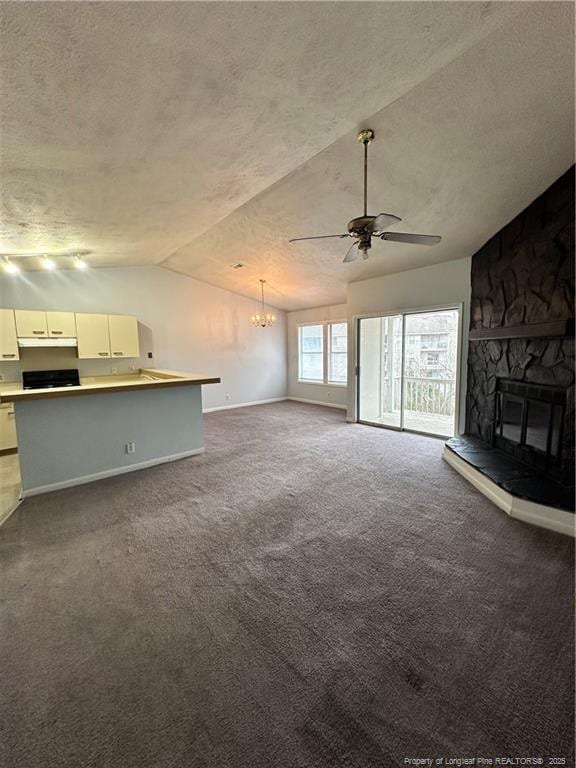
{"x":431,"y":348}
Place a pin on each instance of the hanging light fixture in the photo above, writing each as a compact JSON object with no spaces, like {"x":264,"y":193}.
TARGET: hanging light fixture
{"x":263,"y":318}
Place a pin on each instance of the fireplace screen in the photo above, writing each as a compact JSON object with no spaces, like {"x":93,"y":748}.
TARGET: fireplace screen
{"x":511,"y":421}
{"x":528,"y":421}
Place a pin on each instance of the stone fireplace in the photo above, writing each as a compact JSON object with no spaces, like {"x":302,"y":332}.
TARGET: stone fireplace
{"x":520,"y":394}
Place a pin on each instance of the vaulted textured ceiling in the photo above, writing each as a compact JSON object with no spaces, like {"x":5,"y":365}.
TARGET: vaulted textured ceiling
{"x":195,"y":135}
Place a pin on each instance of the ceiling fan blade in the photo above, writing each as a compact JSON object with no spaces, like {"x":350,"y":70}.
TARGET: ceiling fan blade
{"x":353,"y":254}
{"x":383,"y":221}
{"x":318,"y":237}
{"x":405,"y":237}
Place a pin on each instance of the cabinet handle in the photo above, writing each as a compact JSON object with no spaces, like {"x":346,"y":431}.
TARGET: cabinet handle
{"x":104,"y":354}
{"x":4,"y":355}
{"x":39,"y":332}
{"x":55,"y":332}
{"x":117,"y":353}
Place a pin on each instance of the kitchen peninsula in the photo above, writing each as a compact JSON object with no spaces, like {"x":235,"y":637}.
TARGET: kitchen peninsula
{"x":106,"y":425}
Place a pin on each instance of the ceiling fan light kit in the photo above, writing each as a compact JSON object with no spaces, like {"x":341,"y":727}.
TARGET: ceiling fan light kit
{"x":364,"y":228}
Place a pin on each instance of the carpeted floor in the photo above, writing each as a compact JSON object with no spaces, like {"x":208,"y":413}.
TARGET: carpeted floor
{"x":307,"y":594}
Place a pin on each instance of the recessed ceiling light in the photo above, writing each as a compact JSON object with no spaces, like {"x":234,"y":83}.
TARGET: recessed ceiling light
{"x":48,"y":263}
{"x":10,"y":267}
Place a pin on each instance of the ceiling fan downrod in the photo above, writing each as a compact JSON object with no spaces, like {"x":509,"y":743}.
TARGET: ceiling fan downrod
{"x":364,"y":228}
{"x":365,"y":137}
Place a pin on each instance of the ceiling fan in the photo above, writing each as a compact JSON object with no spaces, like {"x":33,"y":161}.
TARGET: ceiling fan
{"x":364,"y":228}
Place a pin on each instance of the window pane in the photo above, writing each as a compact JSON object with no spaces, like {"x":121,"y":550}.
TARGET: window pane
{"x":311,"y":352}
{"x":311,"y":366}
{"x":338,"y":357}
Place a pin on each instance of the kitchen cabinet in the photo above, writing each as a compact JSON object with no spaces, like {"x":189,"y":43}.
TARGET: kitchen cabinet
{"x":93,"y":335}
{"x":61,"y":324}
{"x":8,"y":338}
{"x":123,"y":336}
{"x":31,"y":323}
{"x":7,"y":427}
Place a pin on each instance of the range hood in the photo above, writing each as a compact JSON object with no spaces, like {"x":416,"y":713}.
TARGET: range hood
{"x":47,"y":341}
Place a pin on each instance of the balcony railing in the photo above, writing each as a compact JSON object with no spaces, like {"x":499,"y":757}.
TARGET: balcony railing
{"x":436,"y":396}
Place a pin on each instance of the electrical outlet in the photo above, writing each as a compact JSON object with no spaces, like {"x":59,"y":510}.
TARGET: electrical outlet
{"x":131,"y":447}
{"x":227,"y":396}
{"x":114,"y":369}
{"x":132,"y":368}
{"x":1,"y":377}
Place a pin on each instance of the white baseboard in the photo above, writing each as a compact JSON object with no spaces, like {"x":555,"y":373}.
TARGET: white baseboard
{"x":553,"y":519}
{"x":244,"y":405}
{"x":317,"y":402}
{"x":108,"y":473}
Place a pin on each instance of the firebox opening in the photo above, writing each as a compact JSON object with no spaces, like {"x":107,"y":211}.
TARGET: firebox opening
{"x":528,"y":422}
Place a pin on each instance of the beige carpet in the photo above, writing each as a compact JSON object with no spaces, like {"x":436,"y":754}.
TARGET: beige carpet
{"x":307,"y":594}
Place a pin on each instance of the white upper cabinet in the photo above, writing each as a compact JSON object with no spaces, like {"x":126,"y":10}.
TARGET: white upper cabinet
{"x":93,"y":335}
{"x":61,"y":324}
{"x":98,"y":335}
{"x":8,"y":338}
{"x":31,"y":323}
{"x":123,"y":336}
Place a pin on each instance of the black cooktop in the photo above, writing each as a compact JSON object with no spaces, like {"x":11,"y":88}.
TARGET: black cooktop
{"x":69,"y":377}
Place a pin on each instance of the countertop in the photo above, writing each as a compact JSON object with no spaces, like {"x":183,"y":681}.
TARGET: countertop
{"x":145,"y":378}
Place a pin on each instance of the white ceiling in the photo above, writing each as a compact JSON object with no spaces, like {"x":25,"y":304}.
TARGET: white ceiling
{"x":196,"y":135}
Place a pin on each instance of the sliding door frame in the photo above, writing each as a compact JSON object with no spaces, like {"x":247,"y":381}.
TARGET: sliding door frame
{"x":459,"y":307}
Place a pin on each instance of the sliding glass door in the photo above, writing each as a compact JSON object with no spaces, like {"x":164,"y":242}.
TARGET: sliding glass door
{"x":380,"y":384}
{"x":407,"y":368}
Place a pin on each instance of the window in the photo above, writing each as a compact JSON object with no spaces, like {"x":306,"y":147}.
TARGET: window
{"x":311,"y":352}
{"x":323,"y":353}
{"x":337,"y":353}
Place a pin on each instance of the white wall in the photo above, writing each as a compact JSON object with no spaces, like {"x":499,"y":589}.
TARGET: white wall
{"x":446,"y":284}
{"x":187,"y":325}
{"x":328,"y":394}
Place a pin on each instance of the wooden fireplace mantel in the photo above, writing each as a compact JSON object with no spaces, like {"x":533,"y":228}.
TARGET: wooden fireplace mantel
{"x":530,"y":331}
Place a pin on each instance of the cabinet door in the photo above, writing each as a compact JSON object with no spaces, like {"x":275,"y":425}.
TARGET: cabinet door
{"x":61,"y":324}
{"x":7,"y":427}
{"x":93,"y":336}
{"x":8,"y":340}
{"x":31,"y":322}
{"x":123,"y":336}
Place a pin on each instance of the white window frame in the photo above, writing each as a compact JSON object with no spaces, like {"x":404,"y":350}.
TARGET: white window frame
{"x":325,"y":353}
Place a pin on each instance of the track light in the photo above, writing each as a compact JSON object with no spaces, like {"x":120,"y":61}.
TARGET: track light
{"x":10,"y":267}
{"x":46,"y":262}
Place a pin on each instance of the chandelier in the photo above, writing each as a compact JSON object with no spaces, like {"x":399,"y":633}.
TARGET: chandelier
{"x":263,"y":319}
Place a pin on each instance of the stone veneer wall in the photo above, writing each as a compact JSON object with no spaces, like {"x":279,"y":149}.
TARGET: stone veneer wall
{"x":525,"y":275}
